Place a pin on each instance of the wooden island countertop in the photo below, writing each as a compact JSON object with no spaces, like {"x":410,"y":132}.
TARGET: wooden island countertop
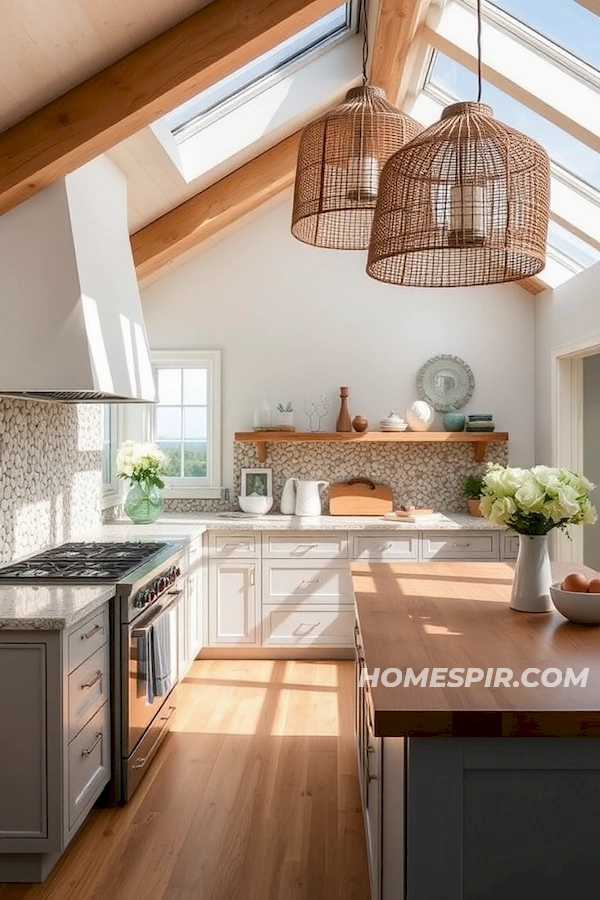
{"x":456,"y":615}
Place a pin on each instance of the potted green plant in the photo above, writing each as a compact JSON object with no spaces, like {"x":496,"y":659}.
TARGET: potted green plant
{"x":473,"y":490}
{"x":285,"y":414}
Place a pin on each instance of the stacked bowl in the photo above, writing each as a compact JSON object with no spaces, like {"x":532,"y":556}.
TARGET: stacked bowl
{"x":480,"y":422}
{"x":393,"y":422}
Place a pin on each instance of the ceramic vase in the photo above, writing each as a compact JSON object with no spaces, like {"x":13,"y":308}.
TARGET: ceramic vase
{"x":144,"y":502}
{"x":360,"y":423}
{"x":453,"y":421}
{"x":419,"y":416}
{"x":531,"y":584}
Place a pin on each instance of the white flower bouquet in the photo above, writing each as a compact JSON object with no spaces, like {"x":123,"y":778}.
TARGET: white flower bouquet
{"x":141,"y":462}
{"x":534,"y":501}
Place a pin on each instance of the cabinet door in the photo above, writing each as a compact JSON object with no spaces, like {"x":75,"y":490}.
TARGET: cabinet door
{"x":232,"y":612}
{"x":194,"y":591}
{"x":183,"y":631}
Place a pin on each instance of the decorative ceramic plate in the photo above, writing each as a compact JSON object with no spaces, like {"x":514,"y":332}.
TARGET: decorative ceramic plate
{"x":446,"y":382}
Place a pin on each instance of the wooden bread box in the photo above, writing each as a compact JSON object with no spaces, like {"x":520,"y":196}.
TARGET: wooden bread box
{"x":360,"y":497}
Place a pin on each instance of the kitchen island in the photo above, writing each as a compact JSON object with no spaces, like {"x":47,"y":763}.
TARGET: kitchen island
{"x":481,"y":791}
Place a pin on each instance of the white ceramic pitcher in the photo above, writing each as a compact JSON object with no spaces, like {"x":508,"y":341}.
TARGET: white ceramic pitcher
{"x":308,"y":500}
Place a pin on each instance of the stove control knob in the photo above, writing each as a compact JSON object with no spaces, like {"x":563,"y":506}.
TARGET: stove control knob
{"x":177,"y":571}
{"x":162,"y":584}
{"x":141,"y":599}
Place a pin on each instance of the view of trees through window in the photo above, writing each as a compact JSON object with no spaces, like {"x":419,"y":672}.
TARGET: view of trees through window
{"x":181,"y":420}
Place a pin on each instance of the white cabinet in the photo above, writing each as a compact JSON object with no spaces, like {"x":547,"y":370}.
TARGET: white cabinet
{"x":386,"y":546}
{"x":302,"y":626}
{"x":510,"y":545}
{"x":317,"y":545}
{"x":305,"y":582}
{"x":190,"y":610}
{"x":460,"y":545}
{"x":233,"y":599}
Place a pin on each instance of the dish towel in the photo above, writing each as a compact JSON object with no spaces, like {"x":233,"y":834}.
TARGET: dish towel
{"x":164,"y":659}
{"x":145,"y":678}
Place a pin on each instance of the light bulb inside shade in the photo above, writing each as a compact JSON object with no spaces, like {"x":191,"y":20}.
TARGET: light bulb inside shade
{"x":466,"y":227}
{"x":363,"y":178}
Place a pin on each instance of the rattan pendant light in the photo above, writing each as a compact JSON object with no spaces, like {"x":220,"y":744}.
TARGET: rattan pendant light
{"x":464,"y":203}
{"x":340,"y":159}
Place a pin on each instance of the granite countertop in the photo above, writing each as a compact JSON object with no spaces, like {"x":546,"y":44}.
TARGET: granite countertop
{"x":180,"y":524}
{"x":28,"y":607}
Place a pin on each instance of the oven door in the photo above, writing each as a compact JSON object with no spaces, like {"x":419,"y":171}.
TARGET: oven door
{"x":150,"y":654}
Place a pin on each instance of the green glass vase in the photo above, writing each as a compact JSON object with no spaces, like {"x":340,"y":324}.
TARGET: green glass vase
{"x":144,"y":502}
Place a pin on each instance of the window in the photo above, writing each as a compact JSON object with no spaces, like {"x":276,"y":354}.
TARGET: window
{"x":110,"y":484}
{"x":258,"y":74}
{"x":186,"y":421}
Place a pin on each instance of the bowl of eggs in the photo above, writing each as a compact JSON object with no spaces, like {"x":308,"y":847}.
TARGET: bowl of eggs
{"x":577,"y":598}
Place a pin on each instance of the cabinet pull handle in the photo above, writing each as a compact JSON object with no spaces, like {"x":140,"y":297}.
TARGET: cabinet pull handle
{"x":387,"y":546}
{"x":307,"y":582}
{"x":307,"y":546}
{"x":88,"y":634}
{"x":252,"y":576}
{"x":93,"y":681}
{"x":168,"y":715}
{"x":139,"y":763}
{"x":461,"y":544}
{"x":91,"y":749}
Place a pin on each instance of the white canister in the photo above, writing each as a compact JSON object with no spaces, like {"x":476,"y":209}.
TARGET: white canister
{"x":287,"y":504}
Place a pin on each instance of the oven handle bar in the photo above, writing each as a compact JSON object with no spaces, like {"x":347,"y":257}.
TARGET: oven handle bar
{"x":142,"y":630}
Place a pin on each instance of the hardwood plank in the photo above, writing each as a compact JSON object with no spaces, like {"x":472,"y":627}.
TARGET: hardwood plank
{"x":395,"y":28}
{"x":209,"y":212}
{"x":246,"y":799}
{"x":140,"y":87}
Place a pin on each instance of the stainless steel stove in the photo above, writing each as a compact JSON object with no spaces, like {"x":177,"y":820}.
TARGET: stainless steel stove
{"x":96,"y":562}
{"x":144,"y":617}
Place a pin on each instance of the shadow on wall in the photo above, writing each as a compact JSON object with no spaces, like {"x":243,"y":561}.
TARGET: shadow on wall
{"x":50,"y":474}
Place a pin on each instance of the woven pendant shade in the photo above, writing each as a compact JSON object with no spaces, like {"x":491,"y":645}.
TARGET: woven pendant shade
{"x":340,"y":159}
{"x":466,"y":202}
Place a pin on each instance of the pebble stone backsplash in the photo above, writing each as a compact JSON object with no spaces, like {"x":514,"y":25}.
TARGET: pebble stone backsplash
{"x":50,"y":474}
{"x":427,"y":475}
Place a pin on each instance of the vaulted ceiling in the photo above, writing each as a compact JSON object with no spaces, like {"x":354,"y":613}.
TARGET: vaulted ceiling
{"x":83,"y":77}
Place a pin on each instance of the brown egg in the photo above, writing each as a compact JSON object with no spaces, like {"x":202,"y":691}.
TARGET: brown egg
{"x":594,"y":586}
{"x":575,"y":582}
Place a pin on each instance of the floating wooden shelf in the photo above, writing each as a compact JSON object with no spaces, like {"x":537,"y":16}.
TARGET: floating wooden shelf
{"x":478,"y":439}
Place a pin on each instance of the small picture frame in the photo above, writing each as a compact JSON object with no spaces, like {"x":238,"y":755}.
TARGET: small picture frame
{"x":257,"y":481}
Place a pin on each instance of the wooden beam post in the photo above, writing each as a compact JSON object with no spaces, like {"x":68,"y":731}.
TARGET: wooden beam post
{"x":208,"y":212}
{"x":394,"y":32}
{"x":142,"y":86}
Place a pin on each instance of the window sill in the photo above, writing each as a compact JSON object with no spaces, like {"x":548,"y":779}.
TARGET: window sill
{"x":192,"y":493}
{"x":110,"y":497}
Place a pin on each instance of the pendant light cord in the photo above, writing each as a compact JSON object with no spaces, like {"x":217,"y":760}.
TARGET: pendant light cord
{"x":363,"y":23}
{"x":478,"y":51}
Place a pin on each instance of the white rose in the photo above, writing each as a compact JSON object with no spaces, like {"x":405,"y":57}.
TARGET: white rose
{"x":530,"y":496}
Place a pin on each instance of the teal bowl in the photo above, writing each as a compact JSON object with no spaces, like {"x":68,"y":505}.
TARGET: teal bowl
{"x":454,"y":421}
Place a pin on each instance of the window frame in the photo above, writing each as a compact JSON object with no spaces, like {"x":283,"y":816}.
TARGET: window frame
{"x":209,"y":487}
{"x":111,"y":490}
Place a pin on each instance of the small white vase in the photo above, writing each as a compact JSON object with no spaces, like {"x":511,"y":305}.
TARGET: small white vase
{"x":531,"y":584}
{"x":285,"y":418}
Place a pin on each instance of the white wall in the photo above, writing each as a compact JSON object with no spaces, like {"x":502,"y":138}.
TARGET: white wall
{"x":565,"y":316}
{"x":591,"y":451}
{"x":293,"y":320}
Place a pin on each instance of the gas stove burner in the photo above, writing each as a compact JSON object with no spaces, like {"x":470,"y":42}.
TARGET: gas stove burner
{"x":100,"y":562}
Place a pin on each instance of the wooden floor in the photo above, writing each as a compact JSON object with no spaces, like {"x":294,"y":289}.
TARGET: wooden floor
{"x":253,"y":796}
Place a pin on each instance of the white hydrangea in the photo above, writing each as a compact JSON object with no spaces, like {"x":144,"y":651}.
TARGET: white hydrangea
{"x":141,"y":462}
{"x":533,"y":501}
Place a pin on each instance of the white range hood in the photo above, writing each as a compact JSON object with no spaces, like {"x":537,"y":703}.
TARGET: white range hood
{"x":71,"y":315}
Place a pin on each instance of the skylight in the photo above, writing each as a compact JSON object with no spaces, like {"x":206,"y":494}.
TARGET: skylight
{"x":541,"y":60}
{"x":460,"y":83}
{"x":565,"y":22}
{"x":259,"y":74}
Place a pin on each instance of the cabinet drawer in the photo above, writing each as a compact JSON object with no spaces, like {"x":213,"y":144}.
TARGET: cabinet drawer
{"x":88,"y":637}
{"x":89,"y":764}
{"x":194,"y":552}
{"x":88,"y":689}
{"x":460,"y":546}
{"x":287,"y":582}
{"x":233,"y":545}
{"x":327,"y":626}
{"x":386,"y":546}
{"x":510,"y":546}
{"x":306,"y":546}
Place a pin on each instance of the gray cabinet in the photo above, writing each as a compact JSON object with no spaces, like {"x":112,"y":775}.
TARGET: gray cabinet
{"x":190,"y":623}
{"x":55,"y":751}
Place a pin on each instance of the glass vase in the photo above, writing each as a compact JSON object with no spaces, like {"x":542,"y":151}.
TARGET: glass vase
{"x":144,"y":502}
{"x":531,"y":584}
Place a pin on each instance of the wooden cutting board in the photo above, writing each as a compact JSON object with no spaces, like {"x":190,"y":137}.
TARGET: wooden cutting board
{"x":360,"y":497}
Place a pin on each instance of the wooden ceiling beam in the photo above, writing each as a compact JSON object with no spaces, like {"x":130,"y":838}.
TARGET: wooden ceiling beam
{"x":142,"y":86}
{"x":394,"y":32}
{"x":592,"y":5}
{"x":220,"y":205}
